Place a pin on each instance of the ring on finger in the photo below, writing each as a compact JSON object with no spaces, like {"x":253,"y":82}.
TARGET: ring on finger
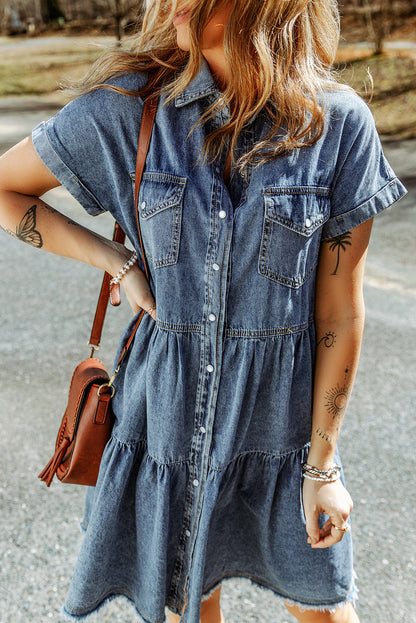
{"x":346,"y":528}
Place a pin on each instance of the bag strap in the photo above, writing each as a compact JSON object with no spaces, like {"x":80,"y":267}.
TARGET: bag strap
{"x":145,"y":134}
{"x":104,"y":296}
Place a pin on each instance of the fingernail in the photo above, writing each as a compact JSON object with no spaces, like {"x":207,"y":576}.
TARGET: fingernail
{"x":313,"y":540}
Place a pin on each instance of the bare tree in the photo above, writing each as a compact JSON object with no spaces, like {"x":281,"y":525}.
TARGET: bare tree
{"x":121,"y":11}
{"x":379,"y":16}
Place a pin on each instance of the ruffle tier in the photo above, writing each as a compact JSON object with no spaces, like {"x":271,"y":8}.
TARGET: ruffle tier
{"x":252,"y":526}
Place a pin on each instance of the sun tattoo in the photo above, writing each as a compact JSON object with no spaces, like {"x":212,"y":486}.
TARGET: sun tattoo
{"x":336,"y":400}
{"x":337,"y":243}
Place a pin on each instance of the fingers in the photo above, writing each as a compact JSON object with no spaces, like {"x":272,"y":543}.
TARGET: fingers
{"x":331,"y":534}
{"x":152,"y":311}
{"x":138,"y":292}
{"x":312,"y":527}
{"x":148,"y":304}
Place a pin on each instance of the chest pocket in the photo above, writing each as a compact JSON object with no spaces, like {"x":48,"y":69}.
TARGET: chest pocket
{"x":160,"y":211}
{"x":293,"y":218}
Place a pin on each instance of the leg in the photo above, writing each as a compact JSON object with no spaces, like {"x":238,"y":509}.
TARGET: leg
{"x":346,"y":614}
{"x":210,"y":610}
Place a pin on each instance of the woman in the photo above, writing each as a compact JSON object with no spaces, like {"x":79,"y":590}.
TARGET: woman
{"x":261,"y":182}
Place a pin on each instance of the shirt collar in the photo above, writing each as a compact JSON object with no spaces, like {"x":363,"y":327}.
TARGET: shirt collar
{"x":202,"y":85}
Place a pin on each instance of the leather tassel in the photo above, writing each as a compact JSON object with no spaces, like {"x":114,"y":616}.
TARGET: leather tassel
{"x":49,"y":471}
{"x":115,"y":297}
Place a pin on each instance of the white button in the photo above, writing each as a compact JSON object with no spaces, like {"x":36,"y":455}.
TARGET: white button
{"x":215,"y":267}
{"x":308,"y":222}
{"x":222,"y":214}
{"x":203,"y":430}
{"x":143,"y":206}
{"x":210,"y":368}
{"x":196,"y":483}
{"x":188,"y":534}
{"x":212,"y":317}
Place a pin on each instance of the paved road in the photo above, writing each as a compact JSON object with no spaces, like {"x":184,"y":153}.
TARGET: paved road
{"x":45,"y":308}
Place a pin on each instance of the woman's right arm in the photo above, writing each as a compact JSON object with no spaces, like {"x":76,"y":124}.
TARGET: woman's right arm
{"x":23,"y":179}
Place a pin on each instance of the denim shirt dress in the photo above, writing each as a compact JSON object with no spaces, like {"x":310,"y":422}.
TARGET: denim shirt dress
{"x":201,"y":480}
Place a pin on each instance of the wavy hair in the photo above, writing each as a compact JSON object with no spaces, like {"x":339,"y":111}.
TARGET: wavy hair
{"x":280,"y":54}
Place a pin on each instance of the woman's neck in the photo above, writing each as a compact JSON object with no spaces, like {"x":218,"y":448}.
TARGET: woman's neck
{"x":218,"y":66}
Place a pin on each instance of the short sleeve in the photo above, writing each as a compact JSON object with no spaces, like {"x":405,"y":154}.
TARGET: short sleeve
{"x":88,"y":144}
{"x":364,"y":183}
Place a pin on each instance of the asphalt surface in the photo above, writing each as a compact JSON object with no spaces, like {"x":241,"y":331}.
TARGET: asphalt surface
{"x":46,"y":307}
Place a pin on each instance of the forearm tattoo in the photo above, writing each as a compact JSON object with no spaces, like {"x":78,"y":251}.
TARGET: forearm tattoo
{"x":336,"y":400}
{"x":336,"y":244}
{"x":328,"y":340}
{"x":26,"y":230}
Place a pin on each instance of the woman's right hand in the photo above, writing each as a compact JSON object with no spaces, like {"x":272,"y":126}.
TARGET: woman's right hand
{"x":138,"y":293}
{"x":134,"y":282}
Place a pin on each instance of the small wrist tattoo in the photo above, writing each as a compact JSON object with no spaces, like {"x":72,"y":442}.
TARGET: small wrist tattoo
{"x":323,"y":435}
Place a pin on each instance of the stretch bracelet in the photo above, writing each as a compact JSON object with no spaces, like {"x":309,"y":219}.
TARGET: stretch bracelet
{"x":117,"y":278}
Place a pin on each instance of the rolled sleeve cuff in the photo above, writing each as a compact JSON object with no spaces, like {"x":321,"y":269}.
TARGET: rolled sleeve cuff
{"x":50,"y":157}
{"x":385,"y":197}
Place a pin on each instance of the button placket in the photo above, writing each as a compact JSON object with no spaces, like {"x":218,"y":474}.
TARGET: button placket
{"x":211,"y":348}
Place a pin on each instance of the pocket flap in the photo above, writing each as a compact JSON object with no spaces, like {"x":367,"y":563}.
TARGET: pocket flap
{"x":159,"y":191}
{"x":303,"y":209}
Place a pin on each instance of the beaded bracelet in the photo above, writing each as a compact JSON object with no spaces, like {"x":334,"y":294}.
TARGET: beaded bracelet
{"x":117,"y":278}
{"x":320,"y":479}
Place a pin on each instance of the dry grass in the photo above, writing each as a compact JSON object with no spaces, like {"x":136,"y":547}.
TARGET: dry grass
{"x":38,"y":69}
{"x":388,"y":84}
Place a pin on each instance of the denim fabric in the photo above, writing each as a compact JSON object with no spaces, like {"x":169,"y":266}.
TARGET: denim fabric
{"x":201,"y":480}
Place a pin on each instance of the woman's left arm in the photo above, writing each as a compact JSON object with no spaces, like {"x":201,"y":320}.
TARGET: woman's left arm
{"x":339,"y":321}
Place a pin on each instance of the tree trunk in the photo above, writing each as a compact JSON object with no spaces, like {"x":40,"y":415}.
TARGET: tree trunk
{"x":118,"y":17}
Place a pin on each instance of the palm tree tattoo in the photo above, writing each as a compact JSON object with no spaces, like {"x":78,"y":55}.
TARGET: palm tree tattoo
{"x":337,"y":243}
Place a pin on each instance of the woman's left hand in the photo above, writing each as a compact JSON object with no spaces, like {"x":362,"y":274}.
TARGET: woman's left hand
{"x":329,"y":498}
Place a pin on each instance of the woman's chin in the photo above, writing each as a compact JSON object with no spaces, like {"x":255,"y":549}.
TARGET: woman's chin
{"x":183,"y":41}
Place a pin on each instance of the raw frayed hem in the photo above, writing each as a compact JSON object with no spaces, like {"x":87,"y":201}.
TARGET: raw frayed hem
{"x":105,"y":602}
{"x":351,"y":598}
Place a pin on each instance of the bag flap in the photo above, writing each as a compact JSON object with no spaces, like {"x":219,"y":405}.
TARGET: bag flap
{"x":89,"y":372}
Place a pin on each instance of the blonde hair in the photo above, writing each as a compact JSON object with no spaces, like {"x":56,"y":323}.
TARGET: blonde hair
{"x":279,"y":52}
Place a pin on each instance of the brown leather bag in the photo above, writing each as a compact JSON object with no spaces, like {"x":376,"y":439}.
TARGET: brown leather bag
{"x":88,"y":420}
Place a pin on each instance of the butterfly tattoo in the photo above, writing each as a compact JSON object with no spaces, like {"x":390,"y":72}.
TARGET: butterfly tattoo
{"x":26,"y":230}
